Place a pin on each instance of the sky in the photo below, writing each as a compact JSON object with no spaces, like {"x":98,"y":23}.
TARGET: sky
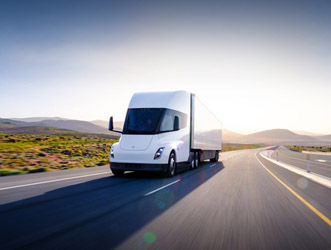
{"x":256,"y":64}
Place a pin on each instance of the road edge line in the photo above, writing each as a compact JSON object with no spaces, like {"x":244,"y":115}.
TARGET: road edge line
{"x":316,"y":162}
{"x":320,"y":179}
{"x":50,"y":181}
{"x":317,"y":178}
{"x":311,"y":207}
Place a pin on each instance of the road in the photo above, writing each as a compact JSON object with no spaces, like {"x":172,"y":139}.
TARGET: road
{"x":233,"y":204}
{"x":319,"y":164}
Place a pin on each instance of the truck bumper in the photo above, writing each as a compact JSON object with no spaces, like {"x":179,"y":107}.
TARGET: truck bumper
{"x":139,"y":167}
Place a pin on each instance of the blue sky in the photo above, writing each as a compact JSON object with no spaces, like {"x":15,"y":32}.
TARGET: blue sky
{"x":257,"y":64}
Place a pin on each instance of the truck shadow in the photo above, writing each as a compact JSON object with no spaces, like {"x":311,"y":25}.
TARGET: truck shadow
{"x":99,"y":214}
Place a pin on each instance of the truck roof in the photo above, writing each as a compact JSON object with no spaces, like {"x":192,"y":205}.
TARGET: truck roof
{"x":176,"y":100}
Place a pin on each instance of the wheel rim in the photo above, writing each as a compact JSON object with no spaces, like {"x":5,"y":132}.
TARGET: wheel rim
{"x":196,"y":161}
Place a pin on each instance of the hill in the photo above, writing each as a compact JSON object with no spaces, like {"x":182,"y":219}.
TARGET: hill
{"x":42,"y":130}
{"x":75,"y":125}
{"x":323,"y":137}
{"x":37,"y":119}
{"x":81,"y":126}
{"x":279,"y":137}
{"x":230,"y":136}
{"x":276,"y":137}
{"x":19,"y":123}
{"x":105,"y":124}
{"x":271,"y":137}
{"x":300,"y":132}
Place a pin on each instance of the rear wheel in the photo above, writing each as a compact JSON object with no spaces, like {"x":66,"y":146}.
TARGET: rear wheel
{"x":196,"y":160}
{"x":118,"y":172}
{"x":192,"y":166}
{"x":216,"y":158}
{"x":171,"y":171}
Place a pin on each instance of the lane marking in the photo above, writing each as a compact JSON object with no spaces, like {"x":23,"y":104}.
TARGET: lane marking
{"x":63,"y":179}
{"x":321,"y":160}
{"x":212,"y":165}
{"x":325,"y":164}
{"x":158,"y":189}
{"x":320,"y":179}
{"x":322,"y":216}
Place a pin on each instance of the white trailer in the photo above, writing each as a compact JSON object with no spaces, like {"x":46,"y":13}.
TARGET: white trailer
{"x":165,"y":131}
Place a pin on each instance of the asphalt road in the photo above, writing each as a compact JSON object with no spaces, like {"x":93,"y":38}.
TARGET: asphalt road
{"x":319,"y":164}
{"x":233,"y":204}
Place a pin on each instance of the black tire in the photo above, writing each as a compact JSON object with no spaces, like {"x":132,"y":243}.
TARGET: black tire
{"x":192,"y":165}
{"x":216,"y":158}
{"x":118,"y":172}
{"x":171,"y":170}
{"x":196,"y":160}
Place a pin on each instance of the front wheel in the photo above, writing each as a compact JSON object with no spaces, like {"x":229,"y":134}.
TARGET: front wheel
{"x":171,"y":171}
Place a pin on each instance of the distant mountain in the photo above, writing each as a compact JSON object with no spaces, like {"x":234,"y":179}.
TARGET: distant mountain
{"x":300,"y":132}
{"x":75,"y":125}
{"x":323,"y":138}
{"x":270,"y":137}
{"x":275,"y":137}
{"x":42,"y":130}
{"x":279,"y":137}
{"x":37,"y":119}
{"x":105,"y":124}
{"x":100,"y":123}
{"x":19,"y":123}
{"x":230,"y":136}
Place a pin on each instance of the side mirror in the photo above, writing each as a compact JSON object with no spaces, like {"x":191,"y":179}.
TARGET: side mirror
{"x":176,"y":123}
{"x":111,"y":126}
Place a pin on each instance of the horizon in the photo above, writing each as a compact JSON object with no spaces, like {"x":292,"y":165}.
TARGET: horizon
{"x":299,"y":132}
{"x":257,"y":66}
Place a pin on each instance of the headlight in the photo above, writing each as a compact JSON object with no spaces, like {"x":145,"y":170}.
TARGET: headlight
{"x":158,"y":153}
{"x":112,"y":152}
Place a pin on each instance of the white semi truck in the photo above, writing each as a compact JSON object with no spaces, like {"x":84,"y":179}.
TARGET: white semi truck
{"x":165,"y":131}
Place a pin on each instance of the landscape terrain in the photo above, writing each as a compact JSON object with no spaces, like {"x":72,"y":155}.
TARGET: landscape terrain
{"x":269,"y":137}
{"x":40,"y":144}
{"x":23,"y":153}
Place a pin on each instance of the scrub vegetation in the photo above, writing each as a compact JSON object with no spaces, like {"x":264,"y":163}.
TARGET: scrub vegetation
{"x":326,"y":149}
{"x":21,"y":153}
{"x":235,"y":146}
{"x":29,"y":153}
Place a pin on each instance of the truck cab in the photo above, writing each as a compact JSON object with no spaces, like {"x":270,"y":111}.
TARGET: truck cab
{"x":156,"y":127}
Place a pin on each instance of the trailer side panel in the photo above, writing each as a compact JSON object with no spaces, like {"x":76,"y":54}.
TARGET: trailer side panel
{"x":206,"y":129}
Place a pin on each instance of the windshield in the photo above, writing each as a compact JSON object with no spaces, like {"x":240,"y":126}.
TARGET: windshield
{"x":153,"y":121}
{"x":142,"y":121}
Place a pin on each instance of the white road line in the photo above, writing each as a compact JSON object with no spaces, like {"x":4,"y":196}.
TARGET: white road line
{"x":323,"y":180}
{"x":44,"y":182}
{"x":158,"y":189}
{"x":321,"y":160}
{"x":212,"y":165}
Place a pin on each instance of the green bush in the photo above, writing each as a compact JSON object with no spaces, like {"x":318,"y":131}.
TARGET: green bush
{"x":4,"y":172}
{"x":38,"y":170}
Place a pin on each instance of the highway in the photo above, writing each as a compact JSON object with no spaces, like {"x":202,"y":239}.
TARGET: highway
{"x":242,"y":202}
{"x":320,"y":164}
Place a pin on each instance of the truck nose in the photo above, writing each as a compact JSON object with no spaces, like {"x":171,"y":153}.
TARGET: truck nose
{"x":136,"y":142}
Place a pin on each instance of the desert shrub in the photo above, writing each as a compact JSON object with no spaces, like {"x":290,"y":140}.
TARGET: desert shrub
{"x":103,"y":162}
{"x":4,"y":172}
{"x":38,"y":170}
